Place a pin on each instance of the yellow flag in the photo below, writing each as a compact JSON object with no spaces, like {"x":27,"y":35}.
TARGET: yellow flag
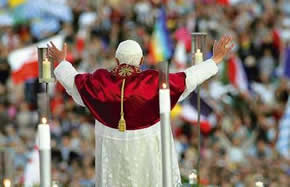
{"x":176,"y":111}
{"x":15,"y":3}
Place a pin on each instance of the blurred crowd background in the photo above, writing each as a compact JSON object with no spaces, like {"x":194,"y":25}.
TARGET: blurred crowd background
{"x":241,"y":143}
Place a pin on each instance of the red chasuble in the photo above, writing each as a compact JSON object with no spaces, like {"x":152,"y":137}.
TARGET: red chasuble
{"x":101,"y":93}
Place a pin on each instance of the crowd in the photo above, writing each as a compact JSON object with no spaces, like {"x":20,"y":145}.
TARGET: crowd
{"x":241,"y":147}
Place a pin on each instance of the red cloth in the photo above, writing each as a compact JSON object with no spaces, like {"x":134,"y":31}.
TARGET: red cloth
{"x":224,"y":2}
{"x":277,"y":42}
{"x":205,"y":126}
{"x":184,"y":35}
{"x":101,"y":93}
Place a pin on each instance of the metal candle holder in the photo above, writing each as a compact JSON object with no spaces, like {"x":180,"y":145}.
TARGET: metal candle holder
{"x":164,"y":106}
{"x":198,"y":52}
{"x":45,"y":66}
{"x":43,"y":105}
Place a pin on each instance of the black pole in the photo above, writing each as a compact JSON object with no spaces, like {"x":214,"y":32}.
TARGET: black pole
{"x":47,"y":101}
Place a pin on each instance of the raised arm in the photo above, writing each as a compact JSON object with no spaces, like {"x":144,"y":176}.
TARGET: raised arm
{"x":199,"y":73}
{"x":65,"y":73}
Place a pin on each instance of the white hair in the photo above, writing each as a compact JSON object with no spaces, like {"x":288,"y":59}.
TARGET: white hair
{"x":129,"y":52}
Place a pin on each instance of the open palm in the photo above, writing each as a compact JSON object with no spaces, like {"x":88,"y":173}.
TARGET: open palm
{"x":56,"y":54}
{"x":222,"y":48}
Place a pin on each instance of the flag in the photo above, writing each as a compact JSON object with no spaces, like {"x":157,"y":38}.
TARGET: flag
{"x":15,"y":3}
{"x":277,"y":40}
{"x":40,"y":10}
{"x":228,"y":2}
{"x":23,"y":62}
{"x":207,"y":117}
{"x":180,"y":56}
{"x":287,"y":63}
{"x":283,"y":143}
{"x":160,"y":47}
{"x":80,"y":40}
{"x":183,"y":34}
{"x":234,"y":73}
{"x":175,"y":112}
{"x":31,"y":174}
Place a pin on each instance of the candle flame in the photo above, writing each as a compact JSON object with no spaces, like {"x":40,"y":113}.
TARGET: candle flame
{"x":259,"y":184}
{"x":164,"y":85}
{"x":7,"y":183}
{"x":43,"y":120}
{"x":192,"y":176}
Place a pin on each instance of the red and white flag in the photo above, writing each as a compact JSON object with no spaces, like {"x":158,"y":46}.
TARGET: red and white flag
{"x":228,"y":2}
{"x":207,"y":116}
{"x":23,"y":62}
{"x":237,"y":74}
{"x":31,"y":174}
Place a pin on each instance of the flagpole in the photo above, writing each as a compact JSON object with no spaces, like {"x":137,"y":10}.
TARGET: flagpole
{"x":164,"y":108}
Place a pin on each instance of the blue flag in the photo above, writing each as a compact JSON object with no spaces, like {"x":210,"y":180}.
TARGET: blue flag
{"x":287,"y":63}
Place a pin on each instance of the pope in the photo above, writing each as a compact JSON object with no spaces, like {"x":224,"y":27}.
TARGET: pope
{"x":125,"y":105}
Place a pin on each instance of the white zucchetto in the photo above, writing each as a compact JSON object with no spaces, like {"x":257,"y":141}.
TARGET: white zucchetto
{"x":129,"y":52}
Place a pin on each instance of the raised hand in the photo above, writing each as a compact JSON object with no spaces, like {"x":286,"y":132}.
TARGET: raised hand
{"x":56,"y":54}
{"x":222,"y":48}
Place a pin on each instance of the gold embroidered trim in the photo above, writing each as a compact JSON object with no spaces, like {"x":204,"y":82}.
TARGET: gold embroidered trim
{"x":126,"y":71}
{"x":122,"y":122}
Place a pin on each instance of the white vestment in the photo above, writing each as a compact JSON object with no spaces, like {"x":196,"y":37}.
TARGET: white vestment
{"x":132,"y":158}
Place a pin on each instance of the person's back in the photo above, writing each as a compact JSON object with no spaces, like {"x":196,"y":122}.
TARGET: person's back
{"x":130,"y":156}
{"x":141,"y":101}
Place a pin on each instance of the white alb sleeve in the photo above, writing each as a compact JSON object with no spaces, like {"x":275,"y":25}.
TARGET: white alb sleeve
{"x":65,"y":73}
{"x":197,"y":74}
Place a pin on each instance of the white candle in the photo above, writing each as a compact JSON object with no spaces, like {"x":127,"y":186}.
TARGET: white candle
{"x":259,"y":184}
{"x":44,"y":135}
{"x":7,"y":183}
{"x":192,"y":178}
{"x":46,"y":70}
{"x":164,"y":106}
{"x":54,"y":184}
{"x":198,"y":56}
{"x":164,"y":99}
